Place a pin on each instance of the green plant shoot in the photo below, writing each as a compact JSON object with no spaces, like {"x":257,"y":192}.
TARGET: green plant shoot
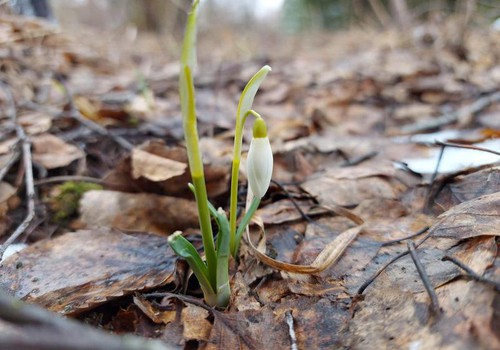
{"x":213,"y":273}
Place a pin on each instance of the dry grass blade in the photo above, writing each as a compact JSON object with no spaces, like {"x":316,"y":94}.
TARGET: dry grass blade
{"x":326,"y":258}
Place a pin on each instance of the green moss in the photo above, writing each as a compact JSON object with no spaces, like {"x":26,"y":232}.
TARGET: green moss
{"x":65,"y":204}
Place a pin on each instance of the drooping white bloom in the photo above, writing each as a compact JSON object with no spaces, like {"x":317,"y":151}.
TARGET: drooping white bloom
{"x":260,"y":160}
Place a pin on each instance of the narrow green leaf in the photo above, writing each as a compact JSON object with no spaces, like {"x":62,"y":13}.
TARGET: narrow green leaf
{"x":244,"y":106}
{"x":248,"y":94}
{"x":223,"y":253}
{"x":188,"y":57}
{"x":188,"y":252}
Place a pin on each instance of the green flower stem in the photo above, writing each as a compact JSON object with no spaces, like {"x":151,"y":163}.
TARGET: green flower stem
{"x":234,"y":242}
{"x":244,"y":222}
{"x":235,"y":170}
{"x":244,"y":105}
{"x":196,"y":167}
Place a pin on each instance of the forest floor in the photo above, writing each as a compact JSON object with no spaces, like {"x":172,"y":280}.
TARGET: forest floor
{"x":388,"y":139}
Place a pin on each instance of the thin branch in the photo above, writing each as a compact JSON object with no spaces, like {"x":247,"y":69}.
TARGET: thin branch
{"x":471,"y":273}
{"x":450,"y":118}
{"x":372,"y":278}
{"x":429,"y":196}
{"x":399,"y":240}
{"x":475,"y":148}
{"x":294,"y":202}
{"x":425,"y":278}
{"x":64,"y":178}
{"x":359,"y":160}
{"x":183,"y":298}
{"x":28,"y":170}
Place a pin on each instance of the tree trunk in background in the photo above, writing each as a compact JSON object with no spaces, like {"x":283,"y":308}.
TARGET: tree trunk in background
{"x":401,"y":13}
{"x":159,"y":16}
{"x":38,"y":8}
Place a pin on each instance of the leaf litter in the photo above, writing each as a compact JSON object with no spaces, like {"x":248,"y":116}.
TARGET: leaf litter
{"x":346,"y":130}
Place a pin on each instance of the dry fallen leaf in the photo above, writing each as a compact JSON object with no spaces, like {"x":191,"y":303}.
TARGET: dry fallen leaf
{"x":196,"y":324}
{"x":123,"y":178}
{"x":80,"y":270}
{"x":479,"y":216}
{"x":153,"y":167}
{"x":52,"y":152}
{"x":152,"y":312}
{"x":249,"y":330}
{"x":467,"y":187}
{"x":137,"y":211}
{"x":35,"y":122}
{"x":352,"y":185}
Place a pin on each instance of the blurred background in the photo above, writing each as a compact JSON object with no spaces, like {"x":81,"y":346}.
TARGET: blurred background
{"x":274,"y":23}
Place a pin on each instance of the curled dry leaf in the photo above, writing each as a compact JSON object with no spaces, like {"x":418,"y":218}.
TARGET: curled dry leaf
{"x":80,"y":270}
{"x":326,"y":258}
{"x":161,"y":156}
{"x":52,"y":152}
{"x":153,"y":167}
{"x":477,"y":217}
{"x":468,"y":187}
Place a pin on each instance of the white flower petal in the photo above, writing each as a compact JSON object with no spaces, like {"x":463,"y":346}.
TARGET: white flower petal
{"x":260,"y":166}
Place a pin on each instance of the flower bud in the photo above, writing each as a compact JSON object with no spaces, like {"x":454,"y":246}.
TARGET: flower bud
{"x":260,"y":160}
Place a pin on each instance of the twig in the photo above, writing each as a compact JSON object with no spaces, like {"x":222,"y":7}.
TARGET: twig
{"x":425,"y":278}
{"x":413,"y":235}
{"x":438,"y":163}
{"x":64,"y":178}
{"x":429,"y":197}
{"x":358,"y":160}
{"x":471,"y":273}
{"x":294,"y":202}
{"x":75,"y":114}
{"x":432,"y":193}
{"x":32,"y":327}
{"x":184,"y":298}
{"x":475,"y":148}
{"x":450,"y":118}
{"x":372,"y":278}
{"x":28,"y":169}
{"x":291,"y":330}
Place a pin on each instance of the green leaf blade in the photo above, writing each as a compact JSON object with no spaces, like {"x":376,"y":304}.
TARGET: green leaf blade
{"x":248,"y":94}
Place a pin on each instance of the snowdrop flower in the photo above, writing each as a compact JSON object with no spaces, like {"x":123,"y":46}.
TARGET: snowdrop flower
{"x":260,"y":160}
